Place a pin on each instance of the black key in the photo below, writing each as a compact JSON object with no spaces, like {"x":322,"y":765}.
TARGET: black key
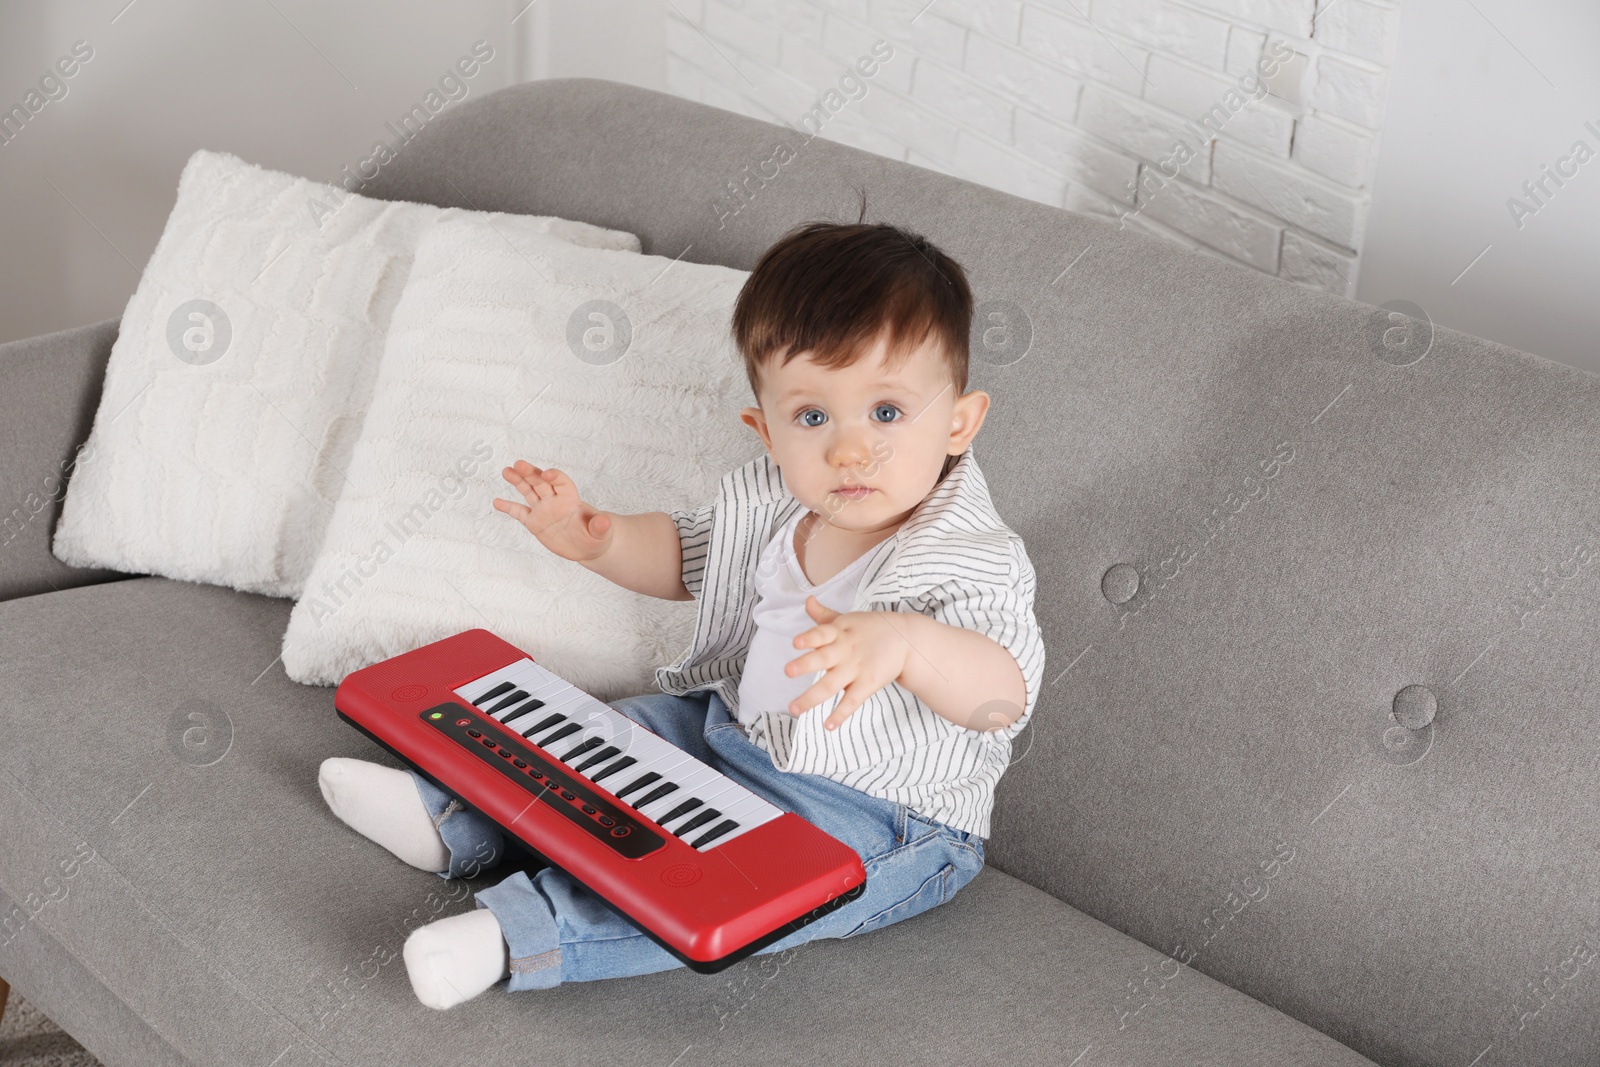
{"x":682,"y":809}
{"x":526,"y":709}
{"x":699,"y":820}
{"x":655,"y":794}
{"x":515,"y":698}
{"x":544,"y":724}
{"x":566,"y":731}
{"x":599,"y":757}
{"x":503,"y":687}
{"x":638,"y":783}
{"x":621,"y":764}
{"x":582,"y":747}
{"x":715,"y":832}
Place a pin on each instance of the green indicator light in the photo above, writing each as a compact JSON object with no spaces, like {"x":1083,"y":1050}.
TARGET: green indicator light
{"x":436,"y":715}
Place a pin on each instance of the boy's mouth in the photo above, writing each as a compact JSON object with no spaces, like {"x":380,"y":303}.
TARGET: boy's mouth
{"x":853,"y":492}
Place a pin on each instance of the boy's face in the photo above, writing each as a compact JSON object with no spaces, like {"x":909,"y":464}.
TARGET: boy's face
{"x":864,"y":426}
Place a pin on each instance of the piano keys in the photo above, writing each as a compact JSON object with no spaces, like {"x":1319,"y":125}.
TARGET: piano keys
{"x":707,"y":868}
{"x":658,"y":779}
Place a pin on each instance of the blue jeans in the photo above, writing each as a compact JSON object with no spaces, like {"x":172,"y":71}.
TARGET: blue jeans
{"x":559,"y":931}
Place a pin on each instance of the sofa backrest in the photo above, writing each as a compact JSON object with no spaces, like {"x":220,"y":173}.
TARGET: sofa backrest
{"x":1318,"y":718}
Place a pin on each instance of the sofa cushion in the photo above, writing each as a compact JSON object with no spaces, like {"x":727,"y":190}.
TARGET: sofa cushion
{"x":616,"y":368}
{"x":69,"y":993}
{"x":227,"y":907}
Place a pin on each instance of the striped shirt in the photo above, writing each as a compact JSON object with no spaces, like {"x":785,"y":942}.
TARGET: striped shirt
{"x":952,"y":559}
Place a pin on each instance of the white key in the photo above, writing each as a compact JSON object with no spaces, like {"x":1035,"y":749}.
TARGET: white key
{"x":723,"y":794}
{"x":749,"y":809}
{"x":698,"y":780}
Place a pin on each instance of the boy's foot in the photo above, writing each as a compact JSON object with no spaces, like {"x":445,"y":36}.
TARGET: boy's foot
{"x":383,"y":804}
{"x":456,"y":958}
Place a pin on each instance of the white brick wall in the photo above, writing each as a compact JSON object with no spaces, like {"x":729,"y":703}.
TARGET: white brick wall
{"x":1080,"y":103}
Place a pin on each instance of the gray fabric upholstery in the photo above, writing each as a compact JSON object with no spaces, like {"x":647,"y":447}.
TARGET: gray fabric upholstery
{"x":228,"y":908}
{"x":1313,"y":530}
{"x":68,"y":992}
{"x":49,"y":390}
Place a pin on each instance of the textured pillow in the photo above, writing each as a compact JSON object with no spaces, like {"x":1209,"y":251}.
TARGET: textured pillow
{"x":618,"y":369}
{"x":237,"y":383}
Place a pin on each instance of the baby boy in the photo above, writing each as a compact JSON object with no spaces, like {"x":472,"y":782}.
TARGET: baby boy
{"x":865,"y":646}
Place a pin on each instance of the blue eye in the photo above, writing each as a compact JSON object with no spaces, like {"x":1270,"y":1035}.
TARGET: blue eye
{"x":801,"y":416}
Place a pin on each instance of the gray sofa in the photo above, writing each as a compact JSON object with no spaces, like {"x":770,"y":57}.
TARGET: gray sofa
{"x":1312,"y":780}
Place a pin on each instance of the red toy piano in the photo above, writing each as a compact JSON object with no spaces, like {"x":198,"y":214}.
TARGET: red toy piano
{"x":707,"y":868}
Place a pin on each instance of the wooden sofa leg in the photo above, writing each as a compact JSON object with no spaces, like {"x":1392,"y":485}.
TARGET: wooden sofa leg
{"x":5,"y":992}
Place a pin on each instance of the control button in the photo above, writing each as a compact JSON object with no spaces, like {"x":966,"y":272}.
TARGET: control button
{"x":487,"y":743}
{"x":474,"y":733}
{"x":463,"y":722}
{"x":568,"y":795}
{"x":606,"y":820}
{"x":588,"y":810}
{"x":537,"y":774}
{"x":621,"y":831}
{"x":520,"y":763}
{"x":505,"y":753}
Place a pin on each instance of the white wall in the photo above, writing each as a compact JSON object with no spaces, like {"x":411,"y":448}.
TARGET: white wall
{"x":1469,"y":113}
{"x":623,"y":40}
{"x":1485,"y":95}
{"x":294,"y":85}
{"x":1079,"y":105}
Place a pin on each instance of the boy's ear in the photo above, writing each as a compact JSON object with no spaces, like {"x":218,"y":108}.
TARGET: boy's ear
{"x":967,"y":419}
{"x":756,"y":419}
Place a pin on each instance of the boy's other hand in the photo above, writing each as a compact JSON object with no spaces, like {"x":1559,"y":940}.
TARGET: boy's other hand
{"x":862,"y":651}
{"x":555,"y":514}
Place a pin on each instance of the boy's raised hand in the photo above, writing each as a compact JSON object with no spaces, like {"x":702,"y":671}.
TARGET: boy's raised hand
{"x":555,"y":514}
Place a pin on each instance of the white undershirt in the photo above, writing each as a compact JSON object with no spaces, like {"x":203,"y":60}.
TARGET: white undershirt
{"x":780,"y":616}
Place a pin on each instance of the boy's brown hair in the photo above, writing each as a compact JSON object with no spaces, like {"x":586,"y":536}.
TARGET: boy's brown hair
{"x":830,"y":288}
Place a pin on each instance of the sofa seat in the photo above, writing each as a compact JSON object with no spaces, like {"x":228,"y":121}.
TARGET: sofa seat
{"x":227,"y":908}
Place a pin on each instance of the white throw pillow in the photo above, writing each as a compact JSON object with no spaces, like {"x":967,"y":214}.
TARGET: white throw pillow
{"x":496,"y":355}
{"x":239,"y":378}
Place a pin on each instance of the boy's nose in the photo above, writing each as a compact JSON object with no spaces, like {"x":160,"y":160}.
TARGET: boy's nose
{"x":850,"y":454}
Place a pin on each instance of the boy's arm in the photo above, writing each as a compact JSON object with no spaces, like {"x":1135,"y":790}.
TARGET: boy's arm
{"x":978,"y":658}
{"x":645,"y":555}
{"x":966,"y":677}
{"x":650,"y":553}
{"x":969,"y":648}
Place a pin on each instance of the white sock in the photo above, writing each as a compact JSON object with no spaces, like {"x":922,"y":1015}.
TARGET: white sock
{"x":383,"y":804}
{"x":456,"y":958}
